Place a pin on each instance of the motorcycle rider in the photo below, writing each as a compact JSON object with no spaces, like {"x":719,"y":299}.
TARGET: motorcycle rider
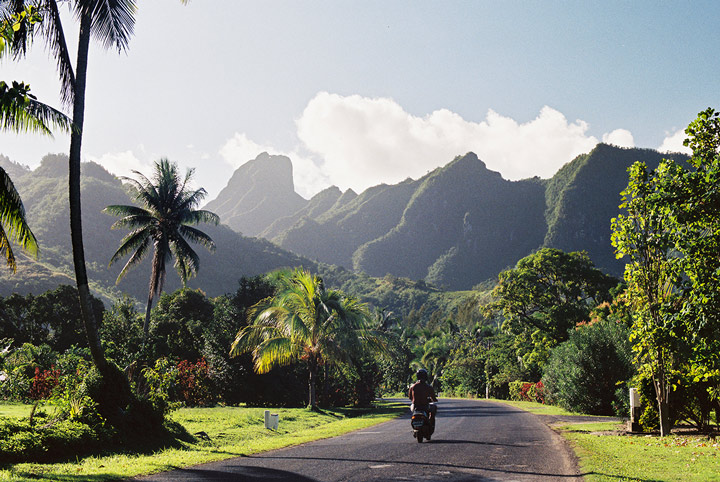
{"x":421,"y":393}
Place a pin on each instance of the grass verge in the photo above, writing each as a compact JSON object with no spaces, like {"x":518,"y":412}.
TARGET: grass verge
{"x":643,"y":457}
{"x":226,"y":432}
{"x":606,"y":453}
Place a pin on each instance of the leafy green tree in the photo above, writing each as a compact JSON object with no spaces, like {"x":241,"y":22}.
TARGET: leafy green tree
{"x":546,"y":295}
{"x":644,"y":235}
{"x":165,"y":223}
{"x":551,"y":291}
{"x":305,"y":321}
{"x":121,"y":331}
{"x":583,"y":373}
{"x":464,"y":373}
{"x":671,"y":236}
{"x":179,"y":324}
{"x":51,"y":318}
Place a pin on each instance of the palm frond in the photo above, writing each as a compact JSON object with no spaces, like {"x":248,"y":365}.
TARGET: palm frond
{"x":197,"y":236}
{"x":200,"y":216}
{"x":192,"y":199}
{"x":52,"y":30}
{"x":21,"y":112}
{"x":6,"y":250}
{"x":274,"y":352}
{"x":132,"y":242}
{"x":187,"y":261}
{"x":140,"y":247}
{"x":113,"y":21}
{"x":13,"y":221}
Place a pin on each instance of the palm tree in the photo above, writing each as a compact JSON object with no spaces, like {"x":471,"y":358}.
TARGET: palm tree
{"x":111,"y":22}
{"x":20,"y":111}
{"x":304,"y":321}
{"x":164,"y":222}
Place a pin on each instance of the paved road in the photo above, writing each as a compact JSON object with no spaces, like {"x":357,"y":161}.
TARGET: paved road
{"x":473,"y":441}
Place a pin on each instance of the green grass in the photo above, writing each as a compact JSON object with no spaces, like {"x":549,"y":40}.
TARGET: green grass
{"x":232,"y":432}
{"x":607,"y":454}
{"x":14,"y":410}
{"x":536,"y":408}
{"x":643,"y":458}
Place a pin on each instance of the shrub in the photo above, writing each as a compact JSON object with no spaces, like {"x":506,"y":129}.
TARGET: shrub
{"x":583,"y":373}
{"x":44,"y":382}
{"x":527,"y":391}
{"x":21,"y":442}
{"x":195,"y":383}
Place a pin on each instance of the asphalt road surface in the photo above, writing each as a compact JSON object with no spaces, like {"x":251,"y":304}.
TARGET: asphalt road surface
{"x":473,"y":441}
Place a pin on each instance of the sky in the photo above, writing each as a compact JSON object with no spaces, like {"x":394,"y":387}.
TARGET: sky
{"x":363,"y":93}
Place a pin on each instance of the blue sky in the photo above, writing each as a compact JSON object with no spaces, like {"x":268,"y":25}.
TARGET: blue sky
{"x":358,"y":93}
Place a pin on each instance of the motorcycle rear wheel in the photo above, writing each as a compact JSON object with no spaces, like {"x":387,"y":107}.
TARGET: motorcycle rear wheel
{"x":419,"y":437}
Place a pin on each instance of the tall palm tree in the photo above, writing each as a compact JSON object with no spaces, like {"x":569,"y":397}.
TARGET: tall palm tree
{"x":164,"y":223}
{"x":111,"y":22}
{"x":304,"y":321}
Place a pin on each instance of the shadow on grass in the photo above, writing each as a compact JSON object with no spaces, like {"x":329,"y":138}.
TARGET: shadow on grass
{"x":135,"y":442}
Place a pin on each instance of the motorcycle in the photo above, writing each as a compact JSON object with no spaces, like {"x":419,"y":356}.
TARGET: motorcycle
{"x":421,"y":424}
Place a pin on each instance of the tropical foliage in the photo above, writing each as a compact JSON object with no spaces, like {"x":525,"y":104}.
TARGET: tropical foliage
{"x":165,"y":223}
{"x":306,"y":321}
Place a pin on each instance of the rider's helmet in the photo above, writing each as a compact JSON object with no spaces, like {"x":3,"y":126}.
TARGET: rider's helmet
{"x":422,"y":374}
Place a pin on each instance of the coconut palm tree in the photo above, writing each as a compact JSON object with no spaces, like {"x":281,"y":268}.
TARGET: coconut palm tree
{"x":111,"y":22}
{"x":304,"y":321}
{"x":165,"y":223}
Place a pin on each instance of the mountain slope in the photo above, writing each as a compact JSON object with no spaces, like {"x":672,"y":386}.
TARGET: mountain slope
{"x":584,"y":196}
{"x":44,"y":194}
{"x":335,"y":235}
{"x":259,"y":192}
{"x":463,"y":225}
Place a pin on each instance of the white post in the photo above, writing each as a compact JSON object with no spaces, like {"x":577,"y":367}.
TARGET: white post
{"x":635,"y":411}
{"x":267,"y":418}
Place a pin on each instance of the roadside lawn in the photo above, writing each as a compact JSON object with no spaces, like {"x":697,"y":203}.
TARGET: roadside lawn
{"x":219,"y":433}
{"x":608,"y":453}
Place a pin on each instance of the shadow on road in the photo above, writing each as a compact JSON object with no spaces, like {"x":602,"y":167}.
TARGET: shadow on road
{"x":232,"y":472}
{"x":432,"y":465}
{"x":438,"y":441}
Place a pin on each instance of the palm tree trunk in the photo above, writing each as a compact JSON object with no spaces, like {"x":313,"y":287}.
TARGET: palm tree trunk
{"x":146,"y":324}
{"x":74,"y":196}
{"x":312,"y":365}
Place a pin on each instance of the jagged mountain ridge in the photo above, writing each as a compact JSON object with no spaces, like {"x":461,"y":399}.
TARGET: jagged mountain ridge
{"x":44,"y":195}
{"x":461,"y":224}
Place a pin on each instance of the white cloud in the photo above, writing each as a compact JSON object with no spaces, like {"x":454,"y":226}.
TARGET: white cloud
{"x":357,"y":142}
{"x":620,"y":138}
{"x":239,"y":149}
{"x":674,"y":143}
{"x":123,"y":163}
{"x":363,"y":141}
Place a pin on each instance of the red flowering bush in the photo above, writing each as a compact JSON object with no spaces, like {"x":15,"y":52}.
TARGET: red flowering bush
{"x":44,"y":382}
{"x":527,"y":391}
{"x":194,"y":383}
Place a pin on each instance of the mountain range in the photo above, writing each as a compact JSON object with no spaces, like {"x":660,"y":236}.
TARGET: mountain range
{"x":457,"y":226}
